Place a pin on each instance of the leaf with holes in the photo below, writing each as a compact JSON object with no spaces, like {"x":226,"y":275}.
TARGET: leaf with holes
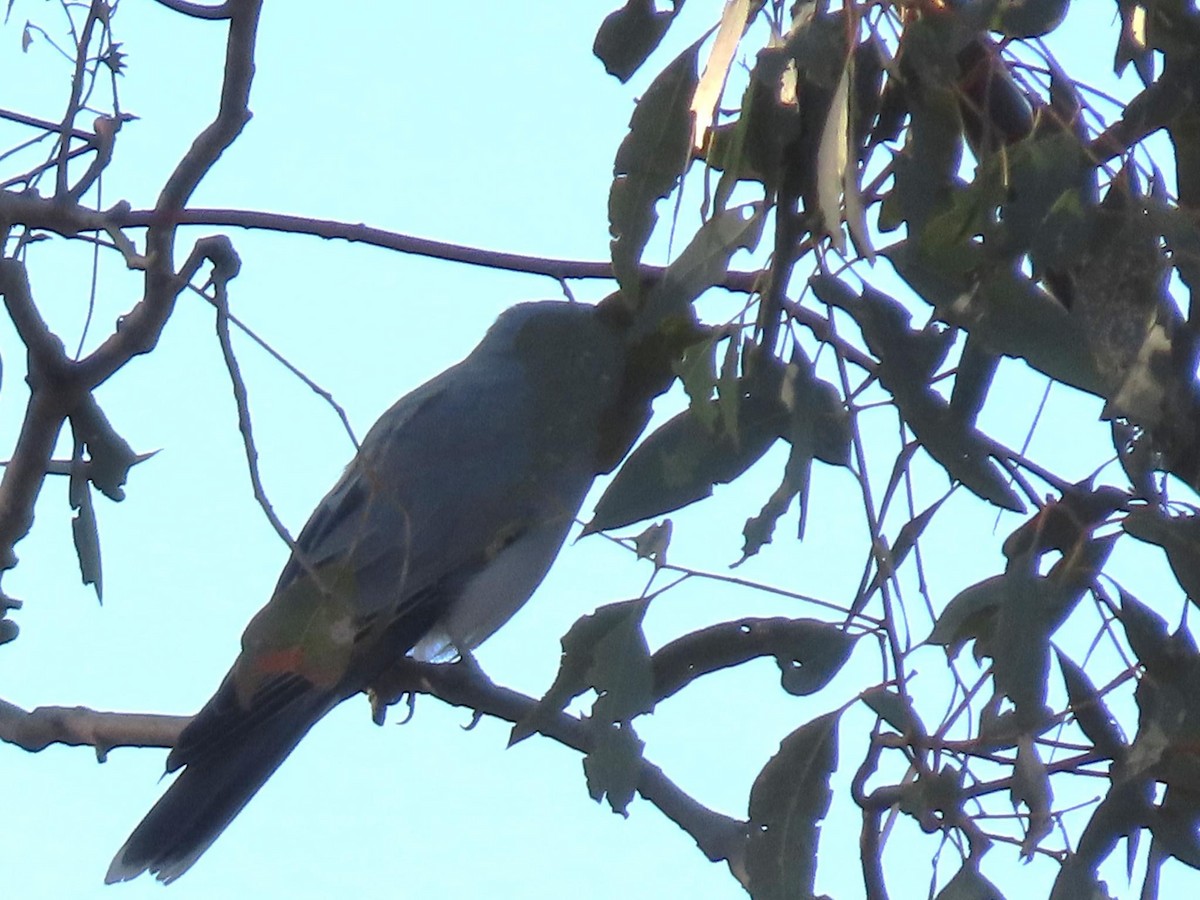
{"x":789,"y":799}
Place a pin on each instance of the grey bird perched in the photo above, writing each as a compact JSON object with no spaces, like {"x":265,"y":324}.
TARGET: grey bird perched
{"x":440,"y":529}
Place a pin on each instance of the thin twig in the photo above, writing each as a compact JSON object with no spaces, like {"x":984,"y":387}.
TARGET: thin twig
{"x":287,"y":364}
{"x":220,"y":300}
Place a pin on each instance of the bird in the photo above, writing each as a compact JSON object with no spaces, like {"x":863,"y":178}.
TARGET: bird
{"x":441,"y":527}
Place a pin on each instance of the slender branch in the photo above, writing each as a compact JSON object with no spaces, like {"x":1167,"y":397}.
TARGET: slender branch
{"x":45,"y":125}
{"x":225,"y":266}
{"x":321,"y":392}
{"x":75,"y":102}
{"x":49,"y":402}
{"x":138,"y":332}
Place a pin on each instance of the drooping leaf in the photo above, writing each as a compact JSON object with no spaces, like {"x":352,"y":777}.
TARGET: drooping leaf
{"x":1011,"y":314}
{"x":629,"y":35}
{"x":607,"y":652}
{"x":1023,"y":19}
{"x":653,"y":543}
{"x":789,"y":799}
{"x":83,"y":528}
{"x":969,"y":884}
{"x":677,"y":465}
{"x":697,"y":371}
{"x":970,"y":614}
{"x":815,"y":657}
{"x":1175,"y":826}
{"x":927,"y":166}
{"x":910,"y":532}
{"x":1031,"y":786}
{"x":1090,"y":711}
{"x":817,"y":428}
{"x":1048,"y":166}
{"x":649,"y":162}
{"x":972,"y":380}
{"x":896,"y":709}
{"x":818,"y":648}
{"x":703,"y":263}
{"x":716,"y":69}
{"x":1146,"y":632}
{"x":907,"y":360}
{"x":109,"y":456}
{"x":613,"y":765}
{"x":833,"y":154}
{"x":1178,"y":536}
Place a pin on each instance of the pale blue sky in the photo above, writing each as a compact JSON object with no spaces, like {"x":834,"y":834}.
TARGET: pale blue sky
{"x":483,"y":124}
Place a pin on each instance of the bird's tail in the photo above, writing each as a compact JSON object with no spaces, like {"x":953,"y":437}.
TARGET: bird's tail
{"x":227,"y":752}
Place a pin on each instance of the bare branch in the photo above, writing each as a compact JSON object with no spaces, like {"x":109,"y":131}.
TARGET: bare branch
{"x":198,"y":10}
{"x":225,"y":264}
{"x":139,"y":331}
{"x":463,"y":684}
{"x":49,"y":403}
{"x":78,"y":726}
{"x":321,"y":392}
{"x":76,"y":100}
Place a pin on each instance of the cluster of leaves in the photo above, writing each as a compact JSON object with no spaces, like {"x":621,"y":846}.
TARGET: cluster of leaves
{"x":1028,"y":226}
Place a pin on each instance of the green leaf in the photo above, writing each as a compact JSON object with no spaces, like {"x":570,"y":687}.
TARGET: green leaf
{"x":927,"y":166}
{"x":84,"y":530}
{"x":1146,"y":632}
{"x":703,"y":263}
{"x":1031,"y":786}
{"x":1175,"y":826}
{"x":970,"y":614}
{"x":1023,"y":19}
{"x":969,"y":884}
{"x":680,"y":462}
{"x":894,"y":708}
{"x":814,"y":658}
{"x":1090,"y":711}
{"x":697,"y":371}
{"x":972,"y":380}
{"x":907,"y":360}
{"x":1178,"y":536}
{"x":1011,"y":314}
{"x":109,"y":456}
{"x":629,"y":35}
{"x":817,"y":428}
{"x":607,"y":652}
{"x":789,"y":799}
{"x":910,"y":532}
{"x":613,"y":765}
{"x":649,"y":162}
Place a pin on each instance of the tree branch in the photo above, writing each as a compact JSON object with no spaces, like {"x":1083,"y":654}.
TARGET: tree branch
{"x":718,"y":836}
{"x":78,"y":726}
{"x":198,"y":10}
{"x":138,"y":332}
